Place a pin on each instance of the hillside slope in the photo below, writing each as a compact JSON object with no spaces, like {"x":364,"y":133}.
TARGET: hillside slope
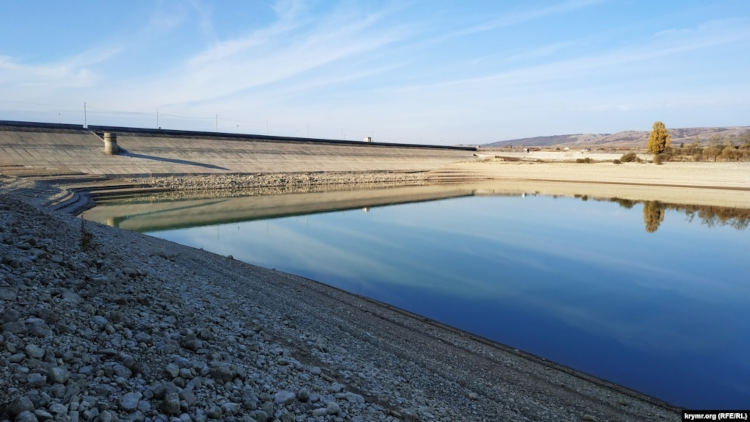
{"x":632,"y":138}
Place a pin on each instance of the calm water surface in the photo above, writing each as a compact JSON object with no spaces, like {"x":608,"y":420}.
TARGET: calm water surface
{"x":655,"y":302}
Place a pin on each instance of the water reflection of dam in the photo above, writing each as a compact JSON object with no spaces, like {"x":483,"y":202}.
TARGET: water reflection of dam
{"x":152,"y":213}
{"x":179,"y":210}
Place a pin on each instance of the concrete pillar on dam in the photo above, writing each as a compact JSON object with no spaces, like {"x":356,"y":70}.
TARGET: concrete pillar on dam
{"x":110,"y":143}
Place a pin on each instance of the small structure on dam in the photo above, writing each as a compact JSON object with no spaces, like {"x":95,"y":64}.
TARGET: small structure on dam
{"x":110,"y":143}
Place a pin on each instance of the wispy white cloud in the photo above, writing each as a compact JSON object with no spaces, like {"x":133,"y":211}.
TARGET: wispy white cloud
{"x":289,"y":47}
{"x":520,"y":17}
{"x":205,"y":19}
{"x":704,"y":36}
{"x":74,"y":72}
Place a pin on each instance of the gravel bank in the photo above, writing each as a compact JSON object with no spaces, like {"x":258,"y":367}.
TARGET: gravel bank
{"x":290,"y":180}
{"x":103,"y":324}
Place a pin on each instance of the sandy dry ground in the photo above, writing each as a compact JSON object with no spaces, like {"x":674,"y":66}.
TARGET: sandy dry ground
{"x":570,"y":155}
{"x":722,"y":184}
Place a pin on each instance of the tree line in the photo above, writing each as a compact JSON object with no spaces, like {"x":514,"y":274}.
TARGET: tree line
{"x":731,"y":148}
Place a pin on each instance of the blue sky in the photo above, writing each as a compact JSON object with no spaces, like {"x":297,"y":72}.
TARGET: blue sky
{"x":422,"y":71}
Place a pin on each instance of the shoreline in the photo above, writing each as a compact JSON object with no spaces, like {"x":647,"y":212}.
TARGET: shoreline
{"x":674,"y":183}
{"x":475,"y":370}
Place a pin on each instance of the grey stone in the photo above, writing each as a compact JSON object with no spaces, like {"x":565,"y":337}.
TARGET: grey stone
{"x":86,"y":370}
{"x":99,"y":320}
{"x":91,"y":414}
{"x":249,"y":399}
{"x":8,"y":293}
{"x":191,"y":342}
{"x":230,"y":408}
{"x":36,"y":380}
{"x":58,"y":408}
{"x":221,"y":372}
{"x":16,"y":358}
{"x":320,"y":412}
{"x":144,"y":406}
{"x":130,"y":363}
{"x":26,"y":416}
{"x":259,"y":416}
{"x":171,"y":403}
{"x":286,"y":417}
{"x":34,"y":351}
{"x":351,"y":397}
{"x":161,"y":390}
{"x":106,"y":416}
{"x":37,"y":327}
{"x":11,"y":315}
{"x":71,"y":297}
{"x":172,"y":369}
{"x":14,"y":327}
{"x":333,"y":408}
{"x":188,"y":396}
{"x":199,"y":415}
{"x":57,"y":375}
{"x":57,"y":390}
{"x":121,"y":371}
{"x":303,"y":395}
{"x":268,"y":407}
{"x":321,"y":345}
{"x":43,"y":414}
{"x":214,"y":412}
{"x":19,"y":405}
{"x":283,"y":397}
{"x":129,"y":401}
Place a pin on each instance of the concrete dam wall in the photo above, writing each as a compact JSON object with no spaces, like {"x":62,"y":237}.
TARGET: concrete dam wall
{"x":32,"y":148}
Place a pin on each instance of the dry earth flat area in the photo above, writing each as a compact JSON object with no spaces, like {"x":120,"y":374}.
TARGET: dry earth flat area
{"x":720,"y":184}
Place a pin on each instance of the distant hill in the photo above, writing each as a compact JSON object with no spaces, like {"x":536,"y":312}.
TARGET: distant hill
{"x":631,"y":138}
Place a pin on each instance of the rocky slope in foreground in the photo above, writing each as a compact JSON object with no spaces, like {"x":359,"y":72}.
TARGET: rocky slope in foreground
{"x":100,"y":324}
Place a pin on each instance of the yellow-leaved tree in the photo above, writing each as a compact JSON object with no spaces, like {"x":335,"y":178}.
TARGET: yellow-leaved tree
{"x":653,"y":215}
{"x":658,"y":139}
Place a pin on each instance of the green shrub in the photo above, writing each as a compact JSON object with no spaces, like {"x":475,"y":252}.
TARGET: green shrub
{"x":616,"y":161}
{"x":583,"y":160}
{"x":629,"y":157}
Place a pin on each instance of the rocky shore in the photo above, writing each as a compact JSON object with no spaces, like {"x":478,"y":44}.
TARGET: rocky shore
{"x":100,"y":324}
{"x":230,"y":182}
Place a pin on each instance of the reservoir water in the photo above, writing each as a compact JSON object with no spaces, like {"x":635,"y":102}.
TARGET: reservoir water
{"x":648,"y":295}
